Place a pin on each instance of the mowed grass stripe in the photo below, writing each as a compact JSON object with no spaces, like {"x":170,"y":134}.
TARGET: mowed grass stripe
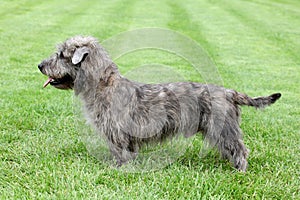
{"x":181,"y":20}
{"x":150,"y":14}
{"x":44,"y":29}
{"x":9,"y":9}
{"x":52,"y":18}
{"x":104,"y":23}
{"x":271,"y":27}
{"x":161,"y":15}
{"x":235,"y":58}
{"x":193,"y":31}
{"x":24,"y":29}
{"x":280,"y":52}
{"x":222,"y":37}
{"x":224,"y":32}
{"x":291,"y":6}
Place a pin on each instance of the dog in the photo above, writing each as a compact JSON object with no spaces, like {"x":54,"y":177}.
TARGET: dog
{"x":131,"y":114}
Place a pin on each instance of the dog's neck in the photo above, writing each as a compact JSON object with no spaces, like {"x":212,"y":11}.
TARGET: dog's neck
{"x":108,"y":76}
{"x":100,"y":78}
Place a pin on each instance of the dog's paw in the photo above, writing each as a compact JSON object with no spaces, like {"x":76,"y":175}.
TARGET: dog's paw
{"x":241,"y":164}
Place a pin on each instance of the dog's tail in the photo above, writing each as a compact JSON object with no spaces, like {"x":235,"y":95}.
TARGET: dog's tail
{"x":257,"y":102}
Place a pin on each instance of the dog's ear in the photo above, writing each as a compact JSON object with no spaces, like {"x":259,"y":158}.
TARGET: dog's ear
{"x":80,"y":54}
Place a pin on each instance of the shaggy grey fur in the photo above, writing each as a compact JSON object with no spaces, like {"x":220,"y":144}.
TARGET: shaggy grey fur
{"x":131,"y":114}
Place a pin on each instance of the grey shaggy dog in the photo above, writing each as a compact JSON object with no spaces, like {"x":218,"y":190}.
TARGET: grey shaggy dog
{"x":131,"y":114}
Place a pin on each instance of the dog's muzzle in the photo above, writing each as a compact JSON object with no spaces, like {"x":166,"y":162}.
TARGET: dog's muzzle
{"x":65,"y":82}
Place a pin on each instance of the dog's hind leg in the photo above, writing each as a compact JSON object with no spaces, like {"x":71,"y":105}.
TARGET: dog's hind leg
{"x":224,"y":133}
{"x":231,"y":145}
{"x":233,"y":148}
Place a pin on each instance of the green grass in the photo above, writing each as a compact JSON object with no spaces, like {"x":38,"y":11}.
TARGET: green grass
{"x":255,"y":46}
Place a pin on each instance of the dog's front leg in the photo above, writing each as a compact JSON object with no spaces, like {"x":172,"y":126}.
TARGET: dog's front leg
{"x":123,"y":153}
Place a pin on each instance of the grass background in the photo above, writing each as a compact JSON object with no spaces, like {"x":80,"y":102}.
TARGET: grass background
{"x":255,"y":45}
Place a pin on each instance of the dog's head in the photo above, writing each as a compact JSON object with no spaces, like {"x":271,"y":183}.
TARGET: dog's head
{"x":62,"y":67}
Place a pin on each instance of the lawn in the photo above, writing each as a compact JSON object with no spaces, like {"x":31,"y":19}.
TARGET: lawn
{"x":254,"y":45}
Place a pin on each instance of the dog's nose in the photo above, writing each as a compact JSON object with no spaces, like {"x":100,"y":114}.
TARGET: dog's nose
{"x":40,"y":66}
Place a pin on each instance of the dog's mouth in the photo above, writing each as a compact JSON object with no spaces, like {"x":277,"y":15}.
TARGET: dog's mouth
{"x":65,"y":82}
